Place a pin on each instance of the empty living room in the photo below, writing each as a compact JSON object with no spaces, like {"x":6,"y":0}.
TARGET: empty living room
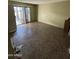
{"x":38,"y":29}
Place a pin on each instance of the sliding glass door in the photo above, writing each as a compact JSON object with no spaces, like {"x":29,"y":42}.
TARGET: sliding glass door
{"x":27,"y":14}
{"x":22,"y":15}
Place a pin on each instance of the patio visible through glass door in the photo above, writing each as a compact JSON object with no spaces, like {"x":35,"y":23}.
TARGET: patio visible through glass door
{"x":22,"y":15}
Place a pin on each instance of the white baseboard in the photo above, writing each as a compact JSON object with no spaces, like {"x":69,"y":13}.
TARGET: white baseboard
{"x":52,"y":24}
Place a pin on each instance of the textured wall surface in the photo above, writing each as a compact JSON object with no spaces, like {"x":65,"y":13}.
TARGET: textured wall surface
{"x":54,"y":13}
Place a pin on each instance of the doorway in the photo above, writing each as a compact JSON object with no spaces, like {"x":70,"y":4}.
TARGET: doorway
{"x":22,"y":15}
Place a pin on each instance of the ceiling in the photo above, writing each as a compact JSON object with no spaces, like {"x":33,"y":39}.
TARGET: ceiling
{"x":38,"y":1}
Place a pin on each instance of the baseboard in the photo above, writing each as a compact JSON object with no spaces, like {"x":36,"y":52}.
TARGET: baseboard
{"x":13,"y":30}
{"x":52,"y":24}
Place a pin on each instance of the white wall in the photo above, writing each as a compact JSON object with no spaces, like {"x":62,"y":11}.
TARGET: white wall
{"x":54,"y":13}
